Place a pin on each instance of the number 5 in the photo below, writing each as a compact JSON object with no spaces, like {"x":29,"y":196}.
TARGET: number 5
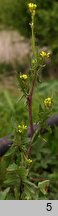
{"x":49,"y":207}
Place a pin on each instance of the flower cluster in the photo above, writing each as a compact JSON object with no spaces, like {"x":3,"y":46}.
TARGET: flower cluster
{"x":23,"y":76}
{"x":43,"y":54}
{"x":48,"y":102}
{"x":32,"y":8}
{"x":21,"y":128}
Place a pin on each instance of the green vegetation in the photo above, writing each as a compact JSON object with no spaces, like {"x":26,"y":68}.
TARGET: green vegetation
{"x":45,"y":164}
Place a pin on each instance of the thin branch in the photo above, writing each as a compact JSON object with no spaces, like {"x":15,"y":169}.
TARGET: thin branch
{"x":33,"y":84}
{"x":29,"y":100}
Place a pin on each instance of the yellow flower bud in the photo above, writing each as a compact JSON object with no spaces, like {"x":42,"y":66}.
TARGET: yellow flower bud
{"x":32,"y":8}
{"x":48,"y":102}
{"x":21,"y":128}
{"x":29,"y":161}
{"x":23,"y":76}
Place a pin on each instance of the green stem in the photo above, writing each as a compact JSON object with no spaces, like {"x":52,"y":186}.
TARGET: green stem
{"x":33,"y":38}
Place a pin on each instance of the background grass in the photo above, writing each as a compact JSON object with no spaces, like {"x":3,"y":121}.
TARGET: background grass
{"x":14,"y":14}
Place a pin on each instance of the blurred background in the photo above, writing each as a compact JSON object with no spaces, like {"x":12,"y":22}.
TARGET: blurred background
{"x":15,"y":54}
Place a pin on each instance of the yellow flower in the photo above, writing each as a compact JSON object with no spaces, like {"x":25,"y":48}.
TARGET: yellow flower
{"x":24,"y":126}
{"x":21,"y":128}
{"x":48,"y":102}
{"x":23,"y":76}
{"x":43,"y":54}
{"x":29,"y":161}
{"x":32,"y":8}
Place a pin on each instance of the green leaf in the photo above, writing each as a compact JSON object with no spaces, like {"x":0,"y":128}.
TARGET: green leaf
{"x":43,"y":186}
{"x":12,"y":167}
{"x":23,"y":173}
{"x":4,"y":193}
{"x":10,"y":152}
{"x":31,"y":184}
